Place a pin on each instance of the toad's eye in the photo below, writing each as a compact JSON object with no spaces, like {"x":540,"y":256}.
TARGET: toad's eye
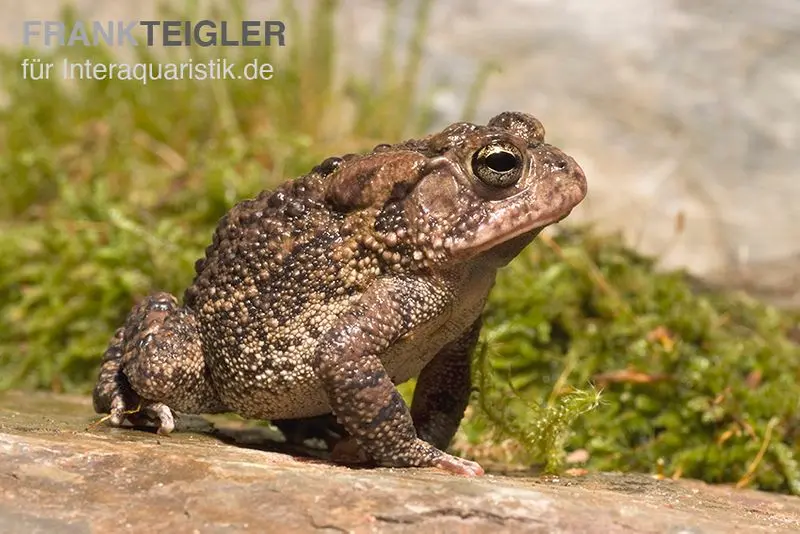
{"x":497,"y":165}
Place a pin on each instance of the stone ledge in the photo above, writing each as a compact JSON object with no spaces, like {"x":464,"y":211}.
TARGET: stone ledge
{"x":58,"y":476}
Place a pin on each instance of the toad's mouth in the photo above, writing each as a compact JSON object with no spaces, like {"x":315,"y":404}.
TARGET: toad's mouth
{"x":507,"y":236}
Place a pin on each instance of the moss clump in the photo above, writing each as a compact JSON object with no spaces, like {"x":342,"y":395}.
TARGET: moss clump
{"x":693,"y":384}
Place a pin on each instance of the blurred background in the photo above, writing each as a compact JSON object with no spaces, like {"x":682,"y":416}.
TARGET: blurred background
{"x":684,"y":115}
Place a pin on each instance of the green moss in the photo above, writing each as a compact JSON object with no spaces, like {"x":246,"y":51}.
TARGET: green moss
{"x":697,"y":383}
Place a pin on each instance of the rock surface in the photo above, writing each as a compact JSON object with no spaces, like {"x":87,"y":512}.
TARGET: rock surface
{"x":59,"y":474}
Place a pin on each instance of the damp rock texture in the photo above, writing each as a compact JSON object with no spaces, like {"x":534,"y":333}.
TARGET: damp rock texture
{"x":58,"y":473}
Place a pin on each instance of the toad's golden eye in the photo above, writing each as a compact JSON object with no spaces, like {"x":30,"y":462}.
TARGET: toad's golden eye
{"x":497,"y":165}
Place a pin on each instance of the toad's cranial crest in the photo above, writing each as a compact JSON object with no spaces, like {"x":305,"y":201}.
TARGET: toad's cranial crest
{"x":314,"y":300}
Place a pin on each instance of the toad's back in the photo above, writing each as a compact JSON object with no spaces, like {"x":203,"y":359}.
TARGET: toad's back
{"x":273,"y":280}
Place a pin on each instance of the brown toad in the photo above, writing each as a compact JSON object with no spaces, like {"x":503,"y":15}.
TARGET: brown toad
{"x":318,"y":297}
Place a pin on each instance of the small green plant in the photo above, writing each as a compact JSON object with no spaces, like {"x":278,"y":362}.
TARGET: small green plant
{"x":541,"y":429}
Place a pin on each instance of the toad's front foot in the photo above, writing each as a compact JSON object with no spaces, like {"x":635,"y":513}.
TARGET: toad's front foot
{"x":348,"y":452}
{"x":459,"y":466}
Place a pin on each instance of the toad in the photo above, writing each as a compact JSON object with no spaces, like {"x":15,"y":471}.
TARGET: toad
{"x":316,"y":299}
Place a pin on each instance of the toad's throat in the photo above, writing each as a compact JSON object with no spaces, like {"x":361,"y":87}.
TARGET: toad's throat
{"x":506,"y":251}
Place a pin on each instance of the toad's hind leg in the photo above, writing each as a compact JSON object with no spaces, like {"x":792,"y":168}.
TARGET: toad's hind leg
{"x":153,"y":365}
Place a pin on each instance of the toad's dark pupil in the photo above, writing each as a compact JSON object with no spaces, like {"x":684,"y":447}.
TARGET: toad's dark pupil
{"x":501,"y":161}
